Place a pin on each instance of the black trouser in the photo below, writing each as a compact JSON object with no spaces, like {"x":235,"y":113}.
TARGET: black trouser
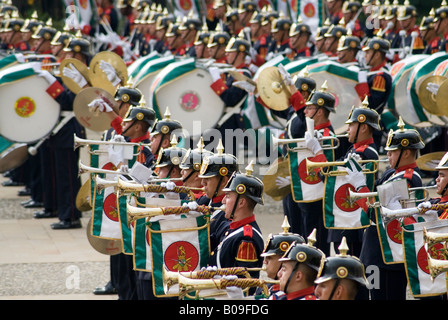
{"x":313,"y":219}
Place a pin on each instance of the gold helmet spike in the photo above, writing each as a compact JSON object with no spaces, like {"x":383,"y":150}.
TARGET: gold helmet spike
{"x":285,"y":225}
{"x":250,"y":168}
{"x":220,"y":148}
{"x":312,"y":238}
{"x":343,"y":248}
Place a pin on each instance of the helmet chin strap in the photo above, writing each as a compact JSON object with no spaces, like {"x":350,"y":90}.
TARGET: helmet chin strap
{"x":399,"y":159}
{"x":334,"y":289}
{"x":232,"y":214}
{"x":294,"y":269}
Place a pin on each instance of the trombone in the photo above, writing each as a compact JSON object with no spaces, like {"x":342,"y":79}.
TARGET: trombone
{"x":301,"y":142}
{"x":311,"y":165}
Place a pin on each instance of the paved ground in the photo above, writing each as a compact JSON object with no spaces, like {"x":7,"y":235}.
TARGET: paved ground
{"x":37,"y":262}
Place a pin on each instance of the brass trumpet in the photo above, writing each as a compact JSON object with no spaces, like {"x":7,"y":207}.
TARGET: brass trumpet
{"x":84,"y":142}
{"x":101,"y":183}
{"x":130,"y":187}
{"x":170,"y":278}
{"x":135,"y":213}
{"x":432,"y":238}
{"x":301,"y":142}
{"x":389,"y":215}
{"x":436,"y":267}
{"x":188,"y":284}
{"x":311,"y":165}
{"x":361,"y":195}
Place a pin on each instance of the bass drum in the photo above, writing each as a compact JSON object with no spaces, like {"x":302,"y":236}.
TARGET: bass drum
{"x":28,"y":112}
{"x":185,"y":89}
{"x":397,"y":102}
{"x":147,"y":73}
{"x":12,"y":155}
{"x":341,"y":82}
{"x":420,"y":73}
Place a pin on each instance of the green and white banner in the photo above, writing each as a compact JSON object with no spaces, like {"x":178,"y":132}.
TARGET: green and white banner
{"x":178,"y":245}
{"x":416,"y":258}
{"x":105,"y":214}
{"x":340,"y":212}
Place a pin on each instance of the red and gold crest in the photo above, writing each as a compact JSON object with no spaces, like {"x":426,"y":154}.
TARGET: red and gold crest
{"x":342,"y":198}
{"x":25,"y":107}
{"x":304,"y":176}
{"x":110,"y":207}
{"x":181,"y":256}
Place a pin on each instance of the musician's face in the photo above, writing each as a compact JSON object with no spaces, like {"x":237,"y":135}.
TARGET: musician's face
{"x":272,"y":265}
{"x":351,"y":131}
{"x":441,"y":181}
{"x":210,"y":185}
{"x":323,"y":290}
{"x":285,"y":272}
{"x":229,"y":201}
{"x":393,"y":156}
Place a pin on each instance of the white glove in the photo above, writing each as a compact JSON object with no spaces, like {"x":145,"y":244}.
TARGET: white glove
{"x":283,"y":182}
{"x":312,"y":143}
{"x":116,"y":154}
{"x":355,"y":176}
{"x":246,"y":86}
{"x":100,"y":104}
{"x":248,"y":60}
{"x":168,"y":185}
{"x":118,"y":138}
{"x":109,"y":70}
{"x":350,"y":25}
{"x":424,"y":205}
{"x":285,"y":75}
{"x":193,"y":205}
{"x":394,"y":204}
{"x":354,"y":155}
{"x":433,"y":87}
{"x":20,"y":57}
{"x":390,"y":55}
{"x":47,"y":76}
{"x":362,"y":76}
{"x":269,"y":56}
{"x":235,"y":293}
{"x":253,"y":68}
{"x":124,"y":169}
{"x":215,"y":73}
{"x":253,"y":53}
{"x":72,"y":73}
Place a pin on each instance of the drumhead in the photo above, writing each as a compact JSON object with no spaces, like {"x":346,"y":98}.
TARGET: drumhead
{"x":28,"y":112}
{"x":13,"y":157}
{"x":189,"y":98}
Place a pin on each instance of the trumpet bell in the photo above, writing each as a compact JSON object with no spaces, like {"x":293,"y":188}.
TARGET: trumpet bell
{"x":279,"y":168}
{"x":436,"y":267}
{"x":432,"y":238}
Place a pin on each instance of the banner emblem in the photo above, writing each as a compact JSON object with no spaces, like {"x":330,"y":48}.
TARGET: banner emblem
{"x":25,"y":107}
{"x":181,"y":256}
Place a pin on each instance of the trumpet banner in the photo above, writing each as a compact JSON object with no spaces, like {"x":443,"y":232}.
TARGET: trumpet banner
{"x":339,"y":211}
{"x":105,"y":214}
{"x":390,"y":234}
{"x":416,"y":258}
{"x":178,"y":245}
{"x":140,"y":236}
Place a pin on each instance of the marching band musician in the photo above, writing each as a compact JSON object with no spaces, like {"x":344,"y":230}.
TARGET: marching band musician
{"x":217,"y":45}
{"x":42,"y":38}
{"x":60,"y":152}
{"x":175,"y":42}
{"x":295,"y":128}
{"x":362,"y":122}
{"x":376,"y":82}
{"x":190,"y":28}
{"x":341,"y":278}
{"x":299,"y":37}
{"x":351,"y":11}
{"x":280,"y":38}
{"x":191,"y":166}
{"x":429,"y":34}
{"x":168,"y":162}
{"x":28,"y":29}
{"x":215,"y":173}
{"x":301,"y":265}
{"x":441,"y":26}
{"x":13,"y":27}
{"x":402,"y":149}
{"x":162,"y":133}
{"x":59,"y":42}
{"x":318,"y":108}
{"x":332,"y":36}
{"x":319,"y":41}
{"x":233,"y":22}
{"x":348,"y":48}
{"x":275,"y":248}
{"x":258,"y":39}
{"x":334,"y":10}
{"x":407,"y":17}
{"x":241,"y":241}
{"x":236,"y":52}
{"x":201,"y":42}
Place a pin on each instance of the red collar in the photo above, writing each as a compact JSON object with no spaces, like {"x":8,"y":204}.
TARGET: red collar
{"x":444,"y":199}
{"x":404,"y":168}
{"x":218,"y":198}
{"x":323,"y":125}
{"x":378,"y":67}
{"x":363,"y":143}
{"x":240,"y":223}
{"x":145,"y":137}
{"x":300,"y":293}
